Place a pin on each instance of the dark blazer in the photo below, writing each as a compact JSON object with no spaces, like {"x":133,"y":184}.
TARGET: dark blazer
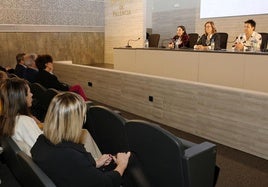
{"x":49,"y":80}
{"x":184,"y":39}
{"x":215,"y":37}
{"x":19,"y":70}
{"x":30,"y":75}
{"x":68,"y":164}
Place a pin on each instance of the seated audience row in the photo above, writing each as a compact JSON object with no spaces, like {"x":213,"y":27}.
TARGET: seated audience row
{"x":250,"y":38}
{"x":39,"y":68}
{"x":58,"y":150}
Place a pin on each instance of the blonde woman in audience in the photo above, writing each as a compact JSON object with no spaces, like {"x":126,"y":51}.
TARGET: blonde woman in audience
{"x":60,"y":154}
{"x":204,"y":43}
{"x":16,"y":120}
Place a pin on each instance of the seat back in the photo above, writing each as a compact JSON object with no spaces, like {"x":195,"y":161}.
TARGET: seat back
{"x":9,"y":156}
{"x":264,"y":37}
{"x":223,"y":39}
{"x":37,"y":90}
{"x":193,"y":37}
{"x":107,"y":129}
{"x":33,"y":175}
{"x":154,"y":40}
{"x":158,"y":151}
{"x":47,"y":97}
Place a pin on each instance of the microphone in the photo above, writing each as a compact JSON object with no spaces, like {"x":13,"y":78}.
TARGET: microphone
{"x":129,"y":46}
{"x":162,"y":42}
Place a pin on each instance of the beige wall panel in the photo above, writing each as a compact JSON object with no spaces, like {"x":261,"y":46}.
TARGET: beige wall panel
{"x":125,"y":59}
{"x":120,"y":28}
{"x":221,"y":69}
{"x":256,"y":72}
{"x":230,"y":116}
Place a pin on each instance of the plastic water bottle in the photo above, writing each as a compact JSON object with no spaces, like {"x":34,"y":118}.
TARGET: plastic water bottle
{"x":212,"y":44}
{"x":146,"y":43}
{"x":177,"y":44}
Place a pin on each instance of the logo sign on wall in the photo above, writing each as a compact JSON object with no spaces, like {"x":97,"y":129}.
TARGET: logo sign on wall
{"x":121,"y":7}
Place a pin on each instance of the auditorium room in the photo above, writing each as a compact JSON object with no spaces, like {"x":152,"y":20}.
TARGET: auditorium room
{"x":133,"y":93}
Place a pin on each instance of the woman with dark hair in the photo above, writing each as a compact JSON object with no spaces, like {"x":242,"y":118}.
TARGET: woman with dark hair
{"x":210,"y":36}
{"x":59,"y":153}
{"x":46,"y":77}
{"x":181,"y":39}
{"x":16,"y":120}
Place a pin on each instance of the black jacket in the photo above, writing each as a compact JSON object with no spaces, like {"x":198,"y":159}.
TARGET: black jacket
{"x":215,"y":37}
{"x":19,"y":70}
{"x":68,"y":164}
{"x":49,"y":80}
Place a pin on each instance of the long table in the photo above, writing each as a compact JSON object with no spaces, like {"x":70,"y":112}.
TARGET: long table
{"x":246,"y":70}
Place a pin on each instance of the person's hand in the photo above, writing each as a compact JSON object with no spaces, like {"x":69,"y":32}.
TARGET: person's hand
{"x":121,"y":160}
{"x":200,"y":47}
{"x":104,"y":160}
{"x":239,"y":46}
{"x":171,"y":45}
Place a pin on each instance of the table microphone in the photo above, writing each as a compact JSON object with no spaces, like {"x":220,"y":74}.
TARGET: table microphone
{"x":129,"y":46}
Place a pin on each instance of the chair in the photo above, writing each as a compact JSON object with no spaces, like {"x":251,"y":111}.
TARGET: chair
{"x":37,"y":90}
{"x":33,"y":175}
{"x":43,"y":103}
{"x":264,"y":37}
{"x":166,"y":161}
{"x":193,"y":37}
{"x":154,"y":40}
{"x":223,"y":39}
{"x":107,"y":129}
{"x":9,"y":157}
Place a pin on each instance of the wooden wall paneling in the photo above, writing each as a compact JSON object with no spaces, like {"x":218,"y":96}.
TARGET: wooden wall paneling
{"x":230,"y":116}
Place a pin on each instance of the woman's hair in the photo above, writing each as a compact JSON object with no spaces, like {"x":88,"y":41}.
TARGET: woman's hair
{"x":3,"y":76}
{"x":13,"y":102}
{"x":65,"y":118}
{"x":183,"y":28}
{"x":214,"y":30}
{"x":42,"y":60}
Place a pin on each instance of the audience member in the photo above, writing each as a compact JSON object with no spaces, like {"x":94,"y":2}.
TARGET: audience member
{"x":16,"y":120}
{"x":181,"y":39}
{"x":249,"y":38}
{"x":60,"y":154}
{"x":3,"y":77}
{"x":31,"y":72}
{"x":49,"y":80}
{"x":204,"y":43}
{"x":20,"y":67}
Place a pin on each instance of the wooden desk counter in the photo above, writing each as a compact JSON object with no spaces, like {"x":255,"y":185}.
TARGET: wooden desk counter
{"x":246,"y":70}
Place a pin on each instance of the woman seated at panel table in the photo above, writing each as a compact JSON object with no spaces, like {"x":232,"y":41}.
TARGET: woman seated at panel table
{"x":60,"y":155}
{"x":181,"y":40}
{"x":204,"y":43}
{"x":248,"y":38}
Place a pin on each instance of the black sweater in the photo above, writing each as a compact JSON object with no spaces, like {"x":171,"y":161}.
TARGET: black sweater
{"x":68,"y":164}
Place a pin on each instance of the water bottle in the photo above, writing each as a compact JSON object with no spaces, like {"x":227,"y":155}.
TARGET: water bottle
{"x":212,"y":44}
{"x":177,"y":44}
{"x":146,"y":43}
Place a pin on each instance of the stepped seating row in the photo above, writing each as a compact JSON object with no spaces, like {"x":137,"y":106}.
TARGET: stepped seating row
{"x":159,"y":158}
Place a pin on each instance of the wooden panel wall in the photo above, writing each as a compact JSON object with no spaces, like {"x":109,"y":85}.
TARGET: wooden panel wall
{"x":233,"y":117}
{"x":79,"y":47}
